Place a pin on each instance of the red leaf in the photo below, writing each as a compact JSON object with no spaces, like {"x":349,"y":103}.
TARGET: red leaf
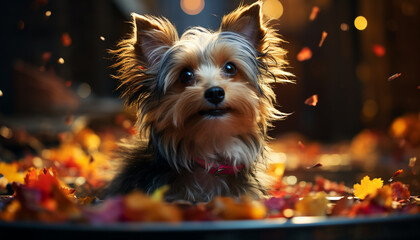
{"x":315,"y":166}
{"x":395,"y":174}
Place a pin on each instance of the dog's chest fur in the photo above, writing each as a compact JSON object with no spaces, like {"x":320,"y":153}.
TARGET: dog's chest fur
{"x":145,"y":169}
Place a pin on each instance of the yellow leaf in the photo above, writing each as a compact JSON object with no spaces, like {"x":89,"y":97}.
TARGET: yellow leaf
{"x":367,"y":187}
{"x":315,"y":204}
{"x":11,"y":172}
{"x":159,"y":194}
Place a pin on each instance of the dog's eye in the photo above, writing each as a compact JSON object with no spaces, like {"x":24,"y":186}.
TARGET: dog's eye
{"x":230,"y":69}
{"x":186,"y":76}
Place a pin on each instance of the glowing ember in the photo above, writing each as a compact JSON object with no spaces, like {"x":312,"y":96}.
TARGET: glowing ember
{"x":48,"y":13}
{"x":102,"y":38}
{"x":395,"y":174}
{"x":66,"y":39}
{"x":1,"y":93}
{"x":312,"y":101}
{"x":360,"y":23}
{"x":393,"y":77}
{"x":192,"y":7}
{"x":314,"y":13}
{"x":324,"y":35}
{"x":61,"y":61}
{"x":378,"y":50}
{"x":304,"y":54}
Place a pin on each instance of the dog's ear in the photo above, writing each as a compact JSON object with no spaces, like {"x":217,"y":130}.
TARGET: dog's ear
{"x":153,"y":36}
{"x":246,"y":21}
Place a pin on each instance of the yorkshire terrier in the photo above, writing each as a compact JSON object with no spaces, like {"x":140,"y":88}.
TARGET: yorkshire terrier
{"x":204,"y":104}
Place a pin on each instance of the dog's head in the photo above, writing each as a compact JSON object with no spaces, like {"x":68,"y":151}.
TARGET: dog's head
{"x":205,"y":94}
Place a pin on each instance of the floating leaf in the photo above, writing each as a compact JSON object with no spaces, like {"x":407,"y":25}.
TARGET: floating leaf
{"x":314,"y":13}
{"x":312,"y":101}
{"x":315,"y":166}
{"x":393,"y":77}
{"x":324,"y":35}
{"x":304,"y":54}
{"x":395,"y":174}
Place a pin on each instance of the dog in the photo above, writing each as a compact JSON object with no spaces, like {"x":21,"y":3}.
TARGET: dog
{"x":204,"y":104}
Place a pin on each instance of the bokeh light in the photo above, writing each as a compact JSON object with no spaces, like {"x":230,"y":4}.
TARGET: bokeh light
{"x":360,"y":23}
{"x":344,"y":27}
{"x":272,"y":8}
{"x":370,"y":109}
{"x":192,"y":7}
{"x":84,"y":90}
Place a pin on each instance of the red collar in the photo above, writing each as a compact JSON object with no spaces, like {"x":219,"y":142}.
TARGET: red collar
{"x":218,"y":169}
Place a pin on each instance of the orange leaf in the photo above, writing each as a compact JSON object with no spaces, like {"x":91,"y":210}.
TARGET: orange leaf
{"x":312,"y":101}
{"x":324,"y":35}
{"x":304,"y":54}
{"x":314,"y":13}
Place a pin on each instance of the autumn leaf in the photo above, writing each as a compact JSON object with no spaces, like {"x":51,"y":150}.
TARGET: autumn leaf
{"x":393,"y":77}
{"x":367,"y":187}
{"x":313,"y":205}
{"x":324,"y":35}
{"x":314,"y":13}
{"x":11,"y":172}
{"x":236,"y":209}
{"x":395,"y":174}
{"x":304,"y":54}
{"x":312,"y":100}
{"x":159,"y":194}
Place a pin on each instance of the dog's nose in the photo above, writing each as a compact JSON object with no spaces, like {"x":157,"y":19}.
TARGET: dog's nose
{"x":215,"y":95}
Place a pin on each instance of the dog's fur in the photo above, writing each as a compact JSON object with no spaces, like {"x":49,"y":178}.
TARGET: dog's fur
{"x":177,"y":123}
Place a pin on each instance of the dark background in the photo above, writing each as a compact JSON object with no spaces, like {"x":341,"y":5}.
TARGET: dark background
{"x":349,"y":78}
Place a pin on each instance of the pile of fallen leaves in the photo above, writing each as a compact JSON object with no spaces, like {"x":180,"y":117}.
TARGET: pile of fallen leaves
{"x":43,"y":197}
{"x":59,"y":186}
